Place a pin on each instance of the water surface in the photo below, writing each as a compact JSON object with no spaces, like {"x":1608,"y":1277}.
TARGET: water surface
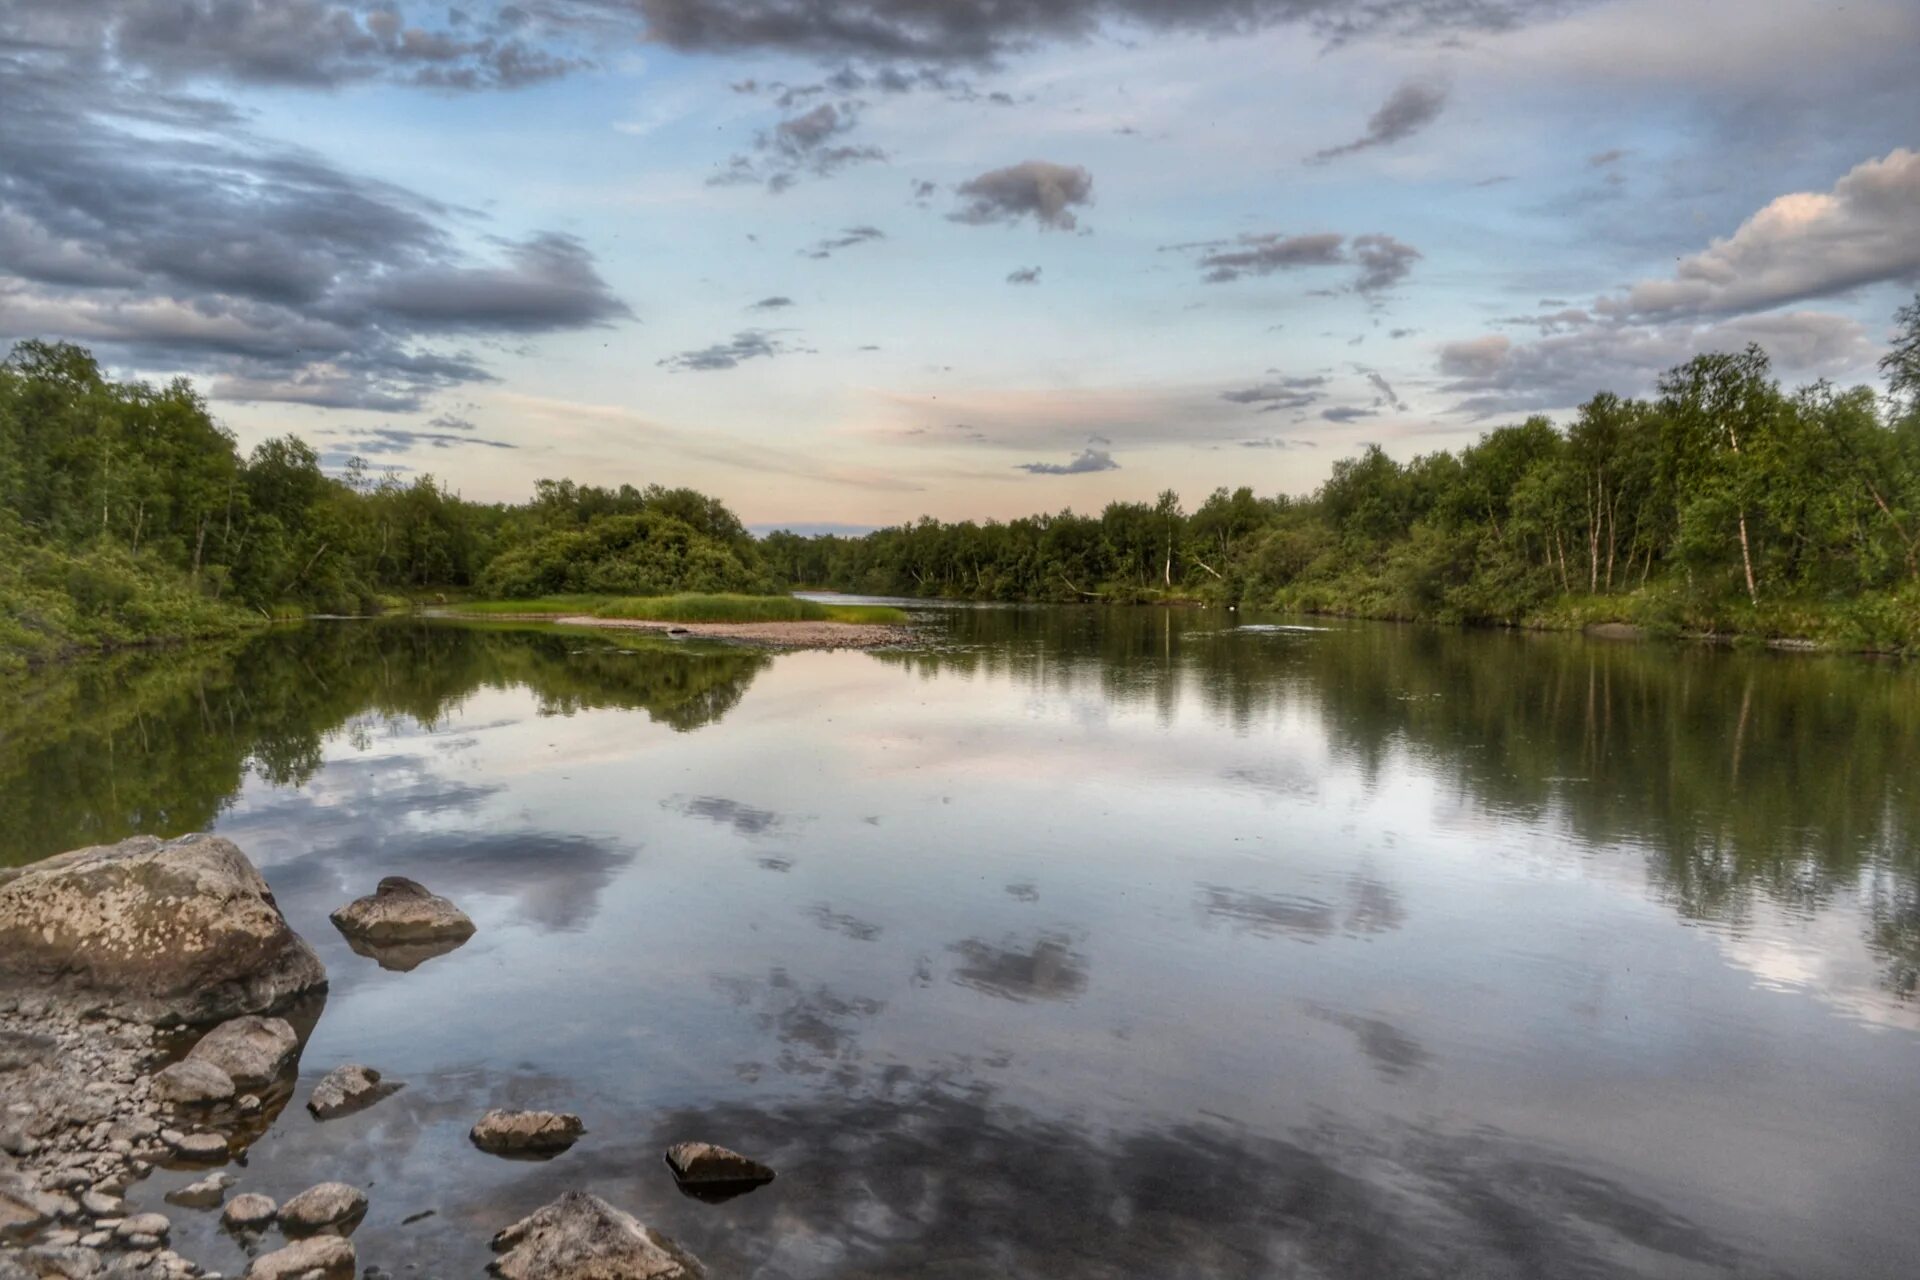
{"x":1081,"y":943}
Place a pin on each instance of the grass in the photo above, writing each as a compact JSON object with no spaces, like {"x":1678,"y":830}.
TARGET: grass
{"x":692,"y":608}
{"x":737,"y":608}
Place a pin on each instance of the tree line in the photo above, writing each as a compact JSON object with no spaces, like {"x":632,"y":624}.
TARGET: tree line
{"x":1724,"y":502}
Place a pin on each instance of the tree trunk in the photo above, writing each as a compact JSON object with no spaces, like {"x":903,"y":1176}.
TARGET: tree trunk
{"x":1746,"y":559}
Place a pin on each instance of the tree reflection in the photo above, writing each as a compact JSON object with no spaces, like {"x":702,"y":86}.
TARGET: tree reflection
{"x":1742,"y":776}
{"x":93,"y":751}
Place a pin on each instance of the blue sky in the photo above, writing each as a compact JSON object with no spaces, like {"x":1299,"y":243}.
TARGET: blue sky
{"x":1072,"y":252}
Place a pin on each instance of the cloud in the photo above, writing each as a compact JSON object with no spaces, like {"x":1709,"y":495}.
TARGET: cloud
{"x":152,"y":224}
{"x":310,"y":44}
{"x":374,"y":441}
{"x":1347,"y":413}
{"x":1385,"y":388}
{"x":1411,"y":107}
{"x":1264,"y":254}
{"x":847,"y":239}
{"x":1495,"y":374}
{"x":1287,"y":393}
{"x":451,"y":422}
{"x":748,"y":344}
{"x":1276,"y":442}
{"x":1382,"y":260}
{"x":1601,"y":159}
{"x":1024,"y":275}
{"x":774,"y":303}
{"x":1082,"y":463}
{"x":800,"y":145}
{"x":982,"y":31}
{"x":1039,"y":189}
{"x":1802,"y":246}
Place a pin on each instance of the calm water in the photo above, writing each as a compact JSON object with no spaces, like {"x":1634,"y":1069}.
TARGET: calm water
{"x":1080,"y":944}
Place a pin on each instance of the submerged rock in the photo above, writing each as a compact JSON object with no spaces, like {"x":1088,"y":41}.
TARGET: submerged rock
{"x":193,"y":1081}
{"x":251,"y":1051}
{"x":249,"y":1212}
{"x":331,"y":1207}
{"x":346,"y":1090}
{"x":713,"y":1174}
{"x":528,"y":1133}
{"x":197,"y":1148}
{"x":402,"y":911}
{"x":153,"y":930}
{"x":317,"y":1258}
{"x":582,"y":1237}
{"x":204,"y":1194}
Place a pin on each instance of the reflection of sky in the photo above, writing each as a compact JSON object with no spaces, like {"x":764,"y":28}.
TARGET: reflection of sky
{"x":1217,"y":924}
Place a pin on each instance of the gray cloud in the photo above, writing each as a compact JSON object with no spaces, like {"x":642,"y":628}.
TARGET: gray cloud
{"x":1087,"y":460}
{"x":313,"y":44}
{"x":1494,"y":374}
{"x":1287,"y":393}
{"x":1411,"y":107}
{"x":1382,"y":261}
{"x":1601,"y":159}
{"x":1040,"y":189}
{"x":774,"y":303}
{"x":374,"y":441}
{"x":847,"y":239}
{"x":982,"y":31}
{"x":1264,"y":254}
{"x":748,"y":344}
{"x":151,"y":224}
{"x":1347,"y":413}
{"x":1024,"y":275}
{"x":1276,"y":442}
{"x":1385,"y":388}
{"x":801,"y":145}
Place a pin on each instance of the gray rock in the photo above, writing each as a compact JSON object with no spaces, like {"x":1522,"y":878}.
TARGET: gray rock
{"x":249,"y":1212}
{"x":100,"y":1205}
{"x":332,"y":1207}
{"x":402,"y":911}
{"x":252,"y":1051}
{"x":318,"y":1258}
{"x":204,"y":1194}
{"x":70,"y":1262}
{"x":702,"y":1162}
{"x":505,"y":1133}
{"x":193,"y":1081}
{"x":160,"y":931}
{"x":346,"y":1090}
{"x":199,"y":1148}
{"x":155,"y":1225}
{"x":582,"y":1237}
{"x":24,"y":1208}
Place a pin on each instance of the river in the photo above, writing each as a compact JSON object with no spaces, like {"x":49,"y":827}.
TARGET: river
{"x":1076,"y":942}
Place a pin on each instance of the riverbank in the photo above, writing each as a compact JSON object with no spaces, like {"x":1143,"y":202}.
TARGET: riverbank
{"x":776,"y":635}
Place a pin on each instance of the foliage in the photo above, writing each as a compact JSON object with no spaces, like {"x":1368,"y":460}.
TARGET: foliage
{"x":1724,"y":505}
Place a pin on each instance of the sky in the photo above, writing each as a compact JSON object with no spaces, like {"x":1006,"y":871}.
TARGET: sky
{"x":849,"y":262}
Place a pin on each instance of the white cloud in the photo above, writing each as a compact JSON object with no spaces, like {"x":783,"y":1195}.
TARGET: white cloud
{"x":1803,"y":245}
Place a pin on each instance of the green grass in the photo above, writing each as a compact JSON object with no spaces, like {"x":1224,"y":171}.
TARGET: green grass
{"x":690,"y":608}
{"x":737,"y":608}
{"x":535,"y":605}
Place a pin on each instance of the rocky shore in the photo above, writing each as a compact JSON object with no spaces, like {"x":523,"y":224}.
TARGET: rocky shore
{"x":154,"y":1005}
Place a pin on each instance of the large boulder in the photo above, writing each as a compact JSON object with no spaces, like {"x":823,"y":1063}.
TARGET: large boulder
{"x":527,"y":1133}
{"x":193,"y":1082}
{"x":402,"y":911}
{"x":332,"y":1208}
{"x":156,"y":930}
{"x":327,"y":1257}
{"x":252,"y":1051}
{"x":582,"y":1237}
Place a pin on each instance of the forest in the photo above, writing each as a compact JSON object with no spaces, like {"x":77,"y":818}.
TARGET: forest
{"x":1725,"y":504}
